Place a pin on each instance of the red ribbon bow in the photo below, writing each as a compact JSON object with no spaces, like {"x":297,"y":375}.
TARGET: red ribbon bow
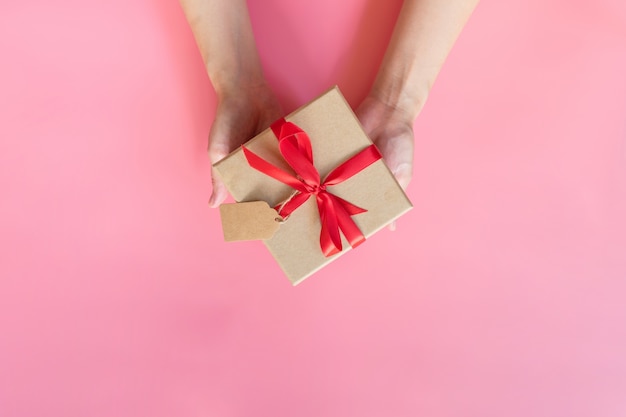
{"x":335,"y":212}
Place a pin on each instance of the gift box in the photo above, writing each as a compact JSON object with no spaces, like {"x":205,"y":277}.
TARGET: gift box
{"x":325,"y":179}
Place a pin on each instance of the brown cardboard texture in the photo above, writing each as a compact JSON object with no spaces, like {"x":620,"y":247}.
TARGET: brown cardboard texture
{"x":336,"y":135}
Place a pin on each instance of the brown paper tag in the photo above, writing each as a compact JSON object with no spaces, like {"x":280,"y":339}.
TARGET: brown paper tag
{"x":253,"y":220}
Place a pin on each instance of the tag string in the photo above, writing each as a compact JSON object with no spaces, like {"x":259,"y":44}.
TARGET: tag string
{"x":282,"y":205}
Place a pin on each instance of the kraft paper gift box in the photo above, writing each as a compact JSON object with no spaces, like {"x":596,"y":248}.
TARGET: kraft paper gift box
{"x":335,"y":136}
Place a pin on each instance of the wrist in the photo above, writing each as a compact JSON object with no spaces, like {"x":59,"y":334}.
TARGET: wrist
{"x":237,"y":82}
{"x":400,"y":93}
{"x":255,"y":93}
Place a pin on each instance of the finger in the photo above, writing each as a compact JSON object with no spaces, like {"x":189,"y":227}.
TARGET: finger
{"x":219,"y":147}
{"x":397,"y":151}
{"x":403,"y":174}
{"x":219,"y":193}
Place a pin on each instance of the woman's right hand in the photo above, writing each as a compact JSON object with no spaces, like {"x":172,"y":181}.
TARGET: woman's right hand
{"x":241,"y":114}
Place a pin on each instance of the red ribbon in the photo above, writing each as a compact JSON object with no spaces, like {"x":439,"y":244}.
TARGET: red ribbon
{"x":335,"y":212}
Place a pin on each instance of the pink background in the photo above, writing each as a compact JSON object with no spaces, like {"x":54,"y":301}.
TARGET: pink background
{"x":500,"y":294}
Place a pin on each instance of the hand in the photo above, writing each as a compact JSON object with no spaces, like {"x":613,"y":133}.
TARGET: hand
{"x":391,"y":129}
{"x":240,"y":116}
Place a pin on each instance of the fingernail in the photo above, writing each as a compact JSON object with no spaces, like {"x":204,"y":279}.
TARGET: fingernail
{"x":212,"y":201}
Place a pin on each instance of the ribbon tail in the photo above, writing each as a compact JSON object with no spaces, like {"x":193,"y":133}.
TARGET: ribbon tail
{"x":336,"y":215}
{"x":347,"y":225}
{"x":348,"y":206}
{"x":330,"y":238}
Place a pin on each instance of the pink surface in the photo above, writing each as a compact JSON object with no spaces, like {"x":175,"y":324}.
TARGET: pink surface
{"x":501,"y":294}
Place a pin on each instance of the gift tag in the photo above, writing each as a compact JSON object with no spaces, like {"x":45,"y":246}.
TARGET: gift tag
{"x":253,"y":220}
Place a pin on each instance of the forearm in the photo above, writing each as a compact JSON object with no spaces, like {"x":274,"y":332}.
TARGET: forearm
{"x":423,"y":36}
{"x":224,"y":36}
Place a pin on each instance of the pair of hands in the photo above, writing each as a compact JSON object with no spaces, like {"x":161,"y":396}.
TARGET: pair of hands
{"x":240,"y":117}
{"x":423,"y":35}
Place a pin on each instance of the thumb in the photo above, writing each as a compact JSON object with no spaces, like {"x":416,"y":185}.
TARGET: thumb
{"x":219,"y":147}
{"x":400,"y":162}
{"x":397,"y":151}
{"x":403,"y":173}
